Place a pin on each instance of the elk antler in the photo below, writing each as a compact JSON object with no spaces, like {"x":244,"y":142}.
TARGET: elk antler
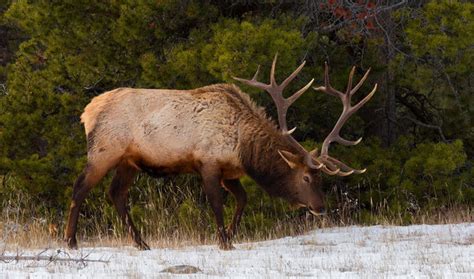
{"x":323,"y":162}
{"x":282,"y":103}
{"x":329,"y":164}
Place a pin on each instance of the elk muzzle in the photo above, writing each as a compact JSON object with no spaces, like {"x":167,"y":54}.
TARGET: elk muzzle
{"x":318,"y":211}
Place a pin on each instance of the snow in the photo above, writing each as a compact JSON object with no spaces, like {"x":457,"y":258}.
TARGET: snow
{"x":418,"y":251}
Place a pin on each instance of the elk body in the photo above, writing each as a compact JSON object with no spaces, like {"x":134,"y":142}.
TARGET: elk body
{"x":216,"y":131}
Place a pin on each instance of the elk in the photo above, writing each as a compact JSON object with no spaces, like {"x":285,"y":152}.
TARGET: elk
{"x":216,"y":131}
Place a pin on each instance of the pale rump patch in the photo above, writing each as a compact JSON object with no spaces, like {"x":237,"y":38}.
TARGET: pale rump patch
{"x":96,"y":106}
{"x":89,"y":116}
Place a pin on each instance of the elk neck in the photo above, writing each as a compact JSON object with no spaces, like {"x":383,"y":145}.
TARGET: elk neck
{"x":258,"y":152}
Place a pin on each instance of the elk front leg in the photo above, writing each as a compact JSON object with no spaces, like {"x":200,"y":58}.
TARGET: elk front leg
{"x":240,"y":196}
{"x":212,"y":178}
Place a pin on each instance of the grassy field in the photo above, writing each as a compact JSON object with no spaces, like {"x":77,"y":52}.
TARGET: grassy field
{"x":21,"y":231}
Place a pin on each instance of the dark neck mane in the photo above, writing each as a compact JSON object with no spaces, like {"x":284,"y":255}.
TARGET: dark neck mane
{"x":259,"y":142}
{"x":261,"y":161}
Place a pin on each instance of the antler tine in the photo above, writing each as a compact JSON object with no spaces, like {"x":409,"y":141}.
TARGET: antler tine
{"x":328,"y":171}
{"x":300,"y":92}
{"x":252,"y":82}
{"x":348,"y":142}
{"x":343,"y":166}
{"x":361,"y":81}
{"x":272,"y":73}
{"x":290,"y":131}
{"x":327,"y":88}
{"x":349,"y":82}
{"x":336,"y":169}
{"x":365,"y":100}
{"x":333,"y":168}
{"x":256,"y":73}
{"x":311,"y":158}
{"x":293,"y":75}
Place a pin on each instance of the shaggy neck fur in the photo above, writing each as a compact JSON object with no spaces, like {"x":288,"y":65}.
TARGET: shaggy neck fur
{"x":259,"y":142}
{"x":260,"y":158}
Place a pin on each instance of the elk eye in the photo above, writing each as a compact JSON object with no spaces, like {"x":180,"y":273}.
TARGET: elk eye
{"x":306,"y":179}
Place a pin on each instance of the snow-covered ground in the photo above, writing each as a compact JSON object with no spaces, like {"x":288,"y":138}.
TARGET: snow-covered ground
{"x":426,"y":251}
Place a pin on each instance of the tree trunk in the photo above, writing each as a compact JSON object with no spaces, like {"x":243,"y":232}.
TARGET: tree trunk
{"x":390,"y":133}
{"x":389,"y":128}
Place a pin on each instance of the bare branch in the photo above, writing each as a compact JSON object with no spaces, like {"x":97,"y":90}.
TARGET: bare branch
{"x":51,"y":258}
{"x":430,"y":126}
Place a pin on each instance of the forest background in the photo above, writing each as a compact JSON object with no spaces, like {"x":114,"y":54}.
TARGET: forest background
{"x":55,"y":56}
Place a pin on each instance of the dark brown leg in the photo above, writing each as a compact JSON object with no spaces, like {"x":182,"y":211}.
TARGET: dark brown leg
{"x":212,"y":178}
{"x":118,"y":193}
{"x":240,"y":196}
{"x":84,"y":183}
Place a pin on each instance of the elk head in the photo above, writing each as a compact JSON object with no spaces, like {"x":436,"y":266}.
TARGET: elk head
{"x":306,"y":166}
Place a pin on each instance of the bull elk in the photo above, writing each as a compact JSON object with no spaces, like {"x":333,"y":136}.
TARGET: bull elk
{"x":216,"y":131}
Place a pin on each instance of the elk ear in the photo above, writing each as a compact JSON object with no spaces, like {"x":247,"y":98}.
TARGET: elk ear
{"x":290,"y":158}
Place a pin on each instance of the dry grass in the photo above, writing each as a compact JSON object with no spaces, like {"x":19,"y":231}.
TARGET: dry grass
{"x":24,"y":232}
{"x":164,"y":225}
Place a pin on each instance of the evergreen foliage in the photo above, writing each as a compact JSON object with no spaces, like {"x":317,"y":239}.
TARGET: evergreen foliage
{"x":438,"y":70}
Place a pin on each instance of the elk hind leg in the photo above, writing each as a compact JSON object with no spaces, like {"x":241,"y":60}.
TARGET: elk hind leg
{"x":234,"y":187}
{"x":118,"y":193}
{"x":84,"y":183}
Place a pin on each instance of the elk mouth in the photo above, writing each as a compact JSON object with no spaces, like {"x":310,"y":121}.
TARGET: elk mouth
{"x":322,"y":212}
{"x":316,"y":213}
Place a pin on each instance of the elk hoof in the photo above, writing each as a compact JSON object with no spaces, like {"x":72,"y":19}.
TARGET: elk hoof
{"x":230,"y":232}
{"x":226,"y":246}
{"x":142,"y":246}
{"x":72,"y":243}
